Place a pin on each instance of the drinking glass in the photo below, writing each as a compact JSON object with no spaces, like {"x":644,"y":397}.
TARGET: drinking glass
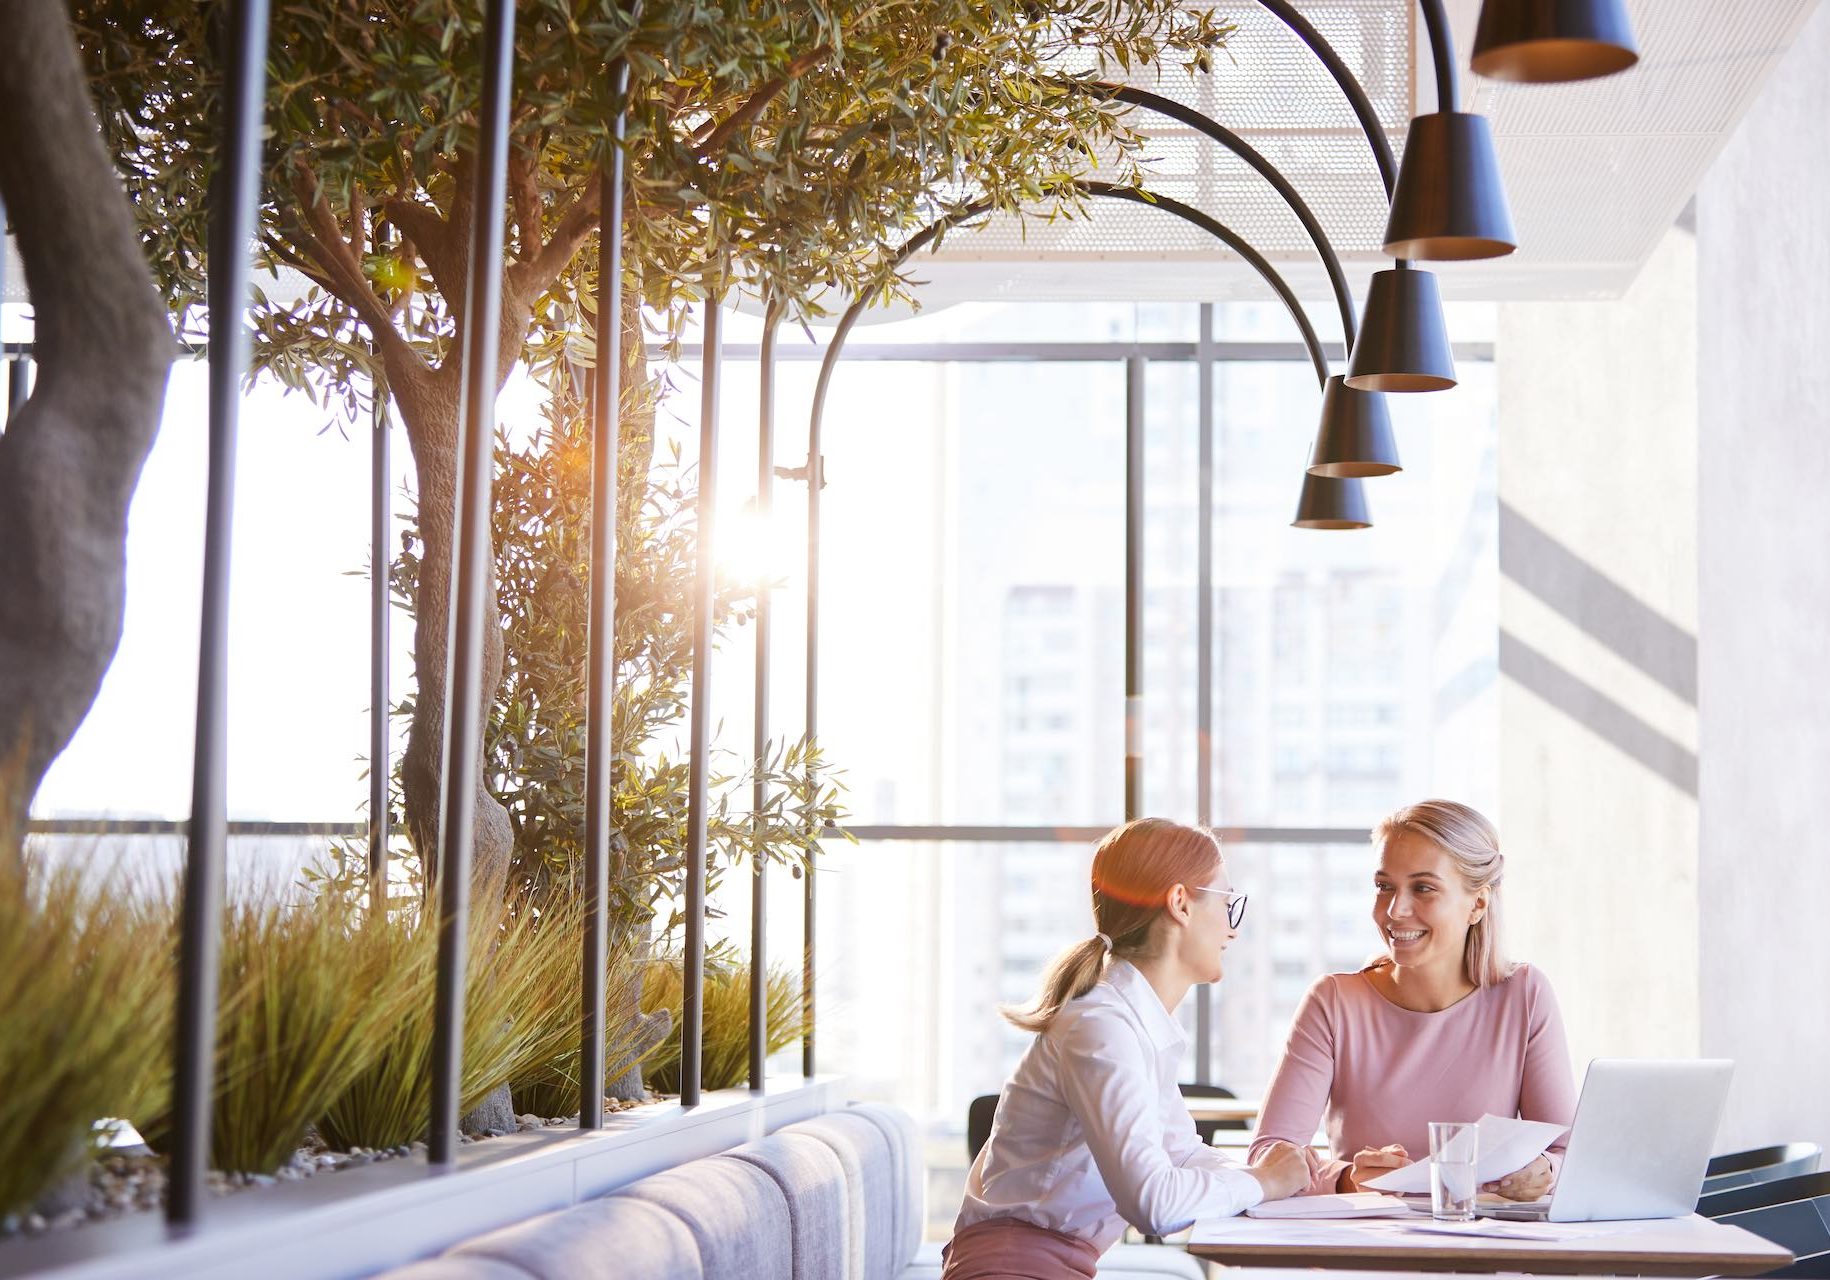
{"x":1453,"y":1148}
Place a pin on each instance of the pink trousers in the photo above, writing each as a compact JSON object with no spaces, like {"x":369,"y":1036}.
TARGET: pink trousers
{"x":1011,"y":1249}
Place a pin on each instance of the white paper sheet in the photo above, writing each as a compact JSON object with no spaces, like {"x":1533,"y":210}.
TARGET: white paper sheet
{"x":1363,"y":1204}
{"x":1505,"y":1145}
{"x":1542,"y":1231}
{"x":1342,"y":1233}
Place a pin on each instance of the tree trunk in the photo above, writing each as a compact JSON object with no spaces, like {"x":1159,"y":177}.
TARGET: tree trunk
{"x":646,"y":1029}
{"x":429,"y":406}
{"x":71,"y":458}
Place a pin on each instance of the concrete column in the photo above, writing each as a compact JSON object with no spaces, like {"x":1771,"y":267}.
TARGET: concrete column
{"x":1763,"y":226}
{"x":1597,"y":652}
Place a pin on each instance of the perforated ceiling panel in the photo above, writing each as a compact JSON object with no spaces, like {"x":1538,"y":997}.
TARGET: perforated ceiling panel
{"x":1268,"y":88}
{"x":1596,"y":171}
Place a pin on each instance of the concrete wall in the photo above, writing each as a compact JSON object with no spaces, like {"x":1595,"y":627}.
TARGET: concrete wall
{"x":1763,"y":226}
{"x":1665,"y":593}
{"x":1598,"y":617}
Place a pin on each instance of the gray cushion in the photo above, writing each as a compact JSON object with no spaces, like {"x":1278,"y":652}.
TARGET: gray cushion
{"x":910,"y":1176}
{"x":851,"y":1164}
{"x":736,"y":1213}
{"x":813,"y":1181}
{"x":456,"y":1269}
{"x":873,"y":1207}
{"x":609,"y":1239}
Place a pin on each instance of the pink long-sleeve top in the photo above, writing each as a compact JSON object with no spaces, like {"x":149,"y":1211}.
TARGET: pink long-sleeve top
{"x":1379,"y":1073}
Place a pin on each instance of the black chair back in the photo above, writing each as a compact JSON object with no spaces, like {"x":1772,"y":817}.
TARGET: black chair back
{"x":1761,"y":1164}
{"x":979,"y":1115}
{"x":1205,"y":1129}
{"x":1794,"y":1212}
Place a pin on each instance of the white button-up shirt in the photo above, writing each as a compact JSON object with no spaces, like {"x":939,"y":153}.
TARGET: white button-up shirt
{"x":1092,"y":1133}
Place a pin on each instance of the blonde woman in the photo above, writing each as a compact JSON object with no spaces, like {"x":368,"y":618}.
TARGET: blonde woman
{"x":1440,"y":1027}
{"x":1091,"y":1132}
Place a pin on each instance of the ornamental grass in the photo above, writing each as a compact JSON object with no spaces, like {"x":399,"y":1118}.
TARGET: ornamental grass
{"x":308,"y":993}
{"x":551,"y":1088}
{"x":86,"y":984}
{"x":726,"y":1020}
{"x":520,"y":1011}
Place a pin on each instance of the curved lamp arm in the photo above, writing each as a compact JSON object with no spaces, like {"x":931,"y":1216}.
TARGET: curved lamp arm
{"x":1442,"y":52}
{"x":1238,"y":245}
{"x":1287,"y":13}
{"x":835,"y":347}
{"x":1331,"y":261}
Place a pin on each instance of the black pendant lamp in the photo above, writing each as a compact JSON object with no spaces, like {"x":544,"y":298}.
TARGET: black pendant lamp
{"x":1330,"y":503}
{"x":1403,"y":343}
{"x":1355,"y":438}
{"x":1449,"y":203}
{"x":1552,"y":41}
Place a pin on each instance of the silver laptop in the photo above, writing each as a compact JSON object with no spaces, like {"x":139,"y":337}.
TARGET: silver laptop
{"x":1640,"y":1145}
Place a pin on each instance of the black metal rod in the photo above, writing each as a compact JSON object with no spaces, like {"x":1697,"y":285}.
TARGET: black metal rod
{"x":1217,"y":132}
{"x":1135,"y":369}
{"x":380,"y":518}
{"x":464,"y":707}
{"x":18,"y":383}
{"x":759,"y":879}
{"x":600,"y":694}
{"x":3,"y":262}
{"x":233,"y":195}
{"x":1442,"y":53}
{"x":1204,"y":645}
{"x":705,"y":592}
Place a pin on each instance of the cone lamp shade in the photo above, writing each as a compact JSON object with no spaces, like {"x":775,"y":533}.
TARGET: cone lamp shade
{"x":1355,"y":438}
{"x":1328,"y":503}
{"x":1403,"y":343}
{"x":1450,"y":203}
{"x":1553,"y":41}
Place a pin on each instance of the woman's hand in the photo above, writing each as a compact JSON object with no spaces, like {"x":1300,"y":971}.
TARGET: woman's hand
{"x":1523,"y":1184}
{"x":1280,"y":1170}
{"x":1372,"y":1162}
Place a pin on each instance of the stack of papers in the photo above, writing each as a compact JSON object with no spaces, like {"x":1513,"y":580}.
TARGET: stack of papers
{"x":1360,"y":1204}
{"x":1504,"y":1146}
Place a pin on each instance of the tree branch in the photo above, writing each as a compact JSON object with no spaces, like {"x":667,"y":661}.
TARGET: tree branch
{"x":753,"y":106}
{"x":323,"y":240}
{"x":527,"y":279}
{"x":358,"y":221}
{"x":433,"y":236}
{"x":525,"y":194}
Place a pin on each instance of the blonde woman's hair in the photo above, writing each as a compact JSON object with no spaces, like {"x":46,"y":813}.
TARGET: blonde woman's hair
{"x":1474,"y":845}
{"x":1134,"y":869}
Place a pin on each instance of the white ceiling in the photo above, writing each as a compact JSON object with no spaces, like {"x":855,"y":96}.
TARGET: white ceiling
{"x":1596,"y":170}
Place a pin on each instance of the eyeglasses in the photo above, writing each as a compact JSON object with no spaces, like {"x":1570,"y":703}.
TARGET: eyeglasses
{"x":1235,"y":904}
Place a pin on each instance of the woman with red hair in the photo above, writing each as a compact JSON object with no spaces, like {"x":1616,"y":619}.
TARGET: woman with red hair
{"x":1091,"y":1131}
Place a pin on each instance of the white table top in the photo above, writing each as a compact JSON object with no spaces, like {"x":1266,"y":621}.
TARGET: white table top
{"x":1689,"y":1246}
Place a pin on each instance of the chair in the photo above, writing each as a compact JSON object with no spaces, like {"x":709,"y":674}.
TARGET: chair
{"x":983,"y":1109}
{"x":1205,"y":1129}
{"x":979,"y":1114}
{"x":1761,"y":1164}
{"x":1794,"y":1212}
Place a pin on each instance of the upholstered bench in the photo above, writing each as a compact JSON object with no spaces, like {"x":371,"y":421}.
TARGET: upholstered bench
{"x":838,"y":1197}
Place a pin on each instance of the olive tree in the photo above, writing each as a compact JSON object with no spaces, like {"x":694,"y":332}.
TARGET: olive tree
{"x":776,"y":146}
{"x":71,"y":456}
